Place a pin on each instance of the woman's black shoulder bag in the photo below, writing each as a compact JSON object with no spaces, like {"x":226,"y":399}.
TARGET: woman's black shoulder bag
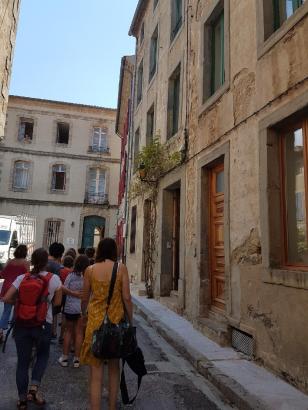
{"x":110,"y":340}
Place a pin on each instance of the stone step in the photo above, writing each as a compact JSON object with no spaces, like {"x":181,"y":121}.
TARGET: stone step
{"x":171,"y":302}
{"x":213,"y":329}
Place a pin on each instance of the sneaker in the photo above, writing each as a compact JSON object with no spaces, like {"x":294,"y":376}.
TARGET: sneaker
{"x":76,"y":363}
{"x":63,"y":362}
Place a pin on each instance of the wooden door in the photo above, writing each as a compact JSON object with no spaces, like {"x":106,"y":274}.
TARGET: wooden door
{"x":216,"y":237}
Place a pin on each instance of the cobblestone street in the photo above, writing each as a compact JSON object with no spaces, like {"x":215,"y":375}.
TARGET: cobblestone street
{"x":171,"y":383}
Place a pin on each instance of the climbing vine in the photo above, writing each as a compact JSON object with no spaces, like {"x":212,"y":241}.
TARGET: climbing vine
{"x":152,"y":162}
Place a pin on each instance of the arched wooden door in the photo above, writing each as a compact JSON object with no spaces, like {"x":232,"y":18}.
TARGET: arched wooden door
{"x":93,"y":230}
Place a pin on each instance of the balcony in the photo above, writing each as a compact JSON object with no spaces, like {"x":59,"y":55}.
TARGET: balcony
{"x":98,"y":199}
{"x":101,"y":150}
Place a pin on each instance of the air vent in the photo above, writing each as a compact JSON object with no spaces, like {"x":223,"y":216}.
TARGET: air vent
{"x":243,"y":342}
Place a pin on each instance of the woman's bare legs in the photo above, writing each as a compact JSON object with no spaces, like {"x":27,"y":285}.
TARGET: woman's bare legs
{"x":68,"y":335}
{"x":114,"y":380}
{"x":96,"y":384}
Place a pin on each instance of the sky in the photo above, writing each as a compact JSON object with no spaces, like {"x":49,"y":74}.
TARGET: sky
{"x":70,"y":50}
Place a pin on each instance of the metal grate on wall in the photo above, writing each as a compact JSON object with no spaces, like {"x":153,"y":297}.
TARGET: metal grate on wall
{"x":242,"y":342}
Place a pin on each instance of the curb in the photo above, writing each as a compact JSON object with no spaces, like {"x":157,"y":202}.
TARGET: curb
{"x":235,"y":393}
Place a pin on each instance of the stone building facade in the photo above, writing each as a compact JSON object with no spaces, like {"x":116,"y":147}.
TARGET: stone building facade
{"x":61,"y":166}
{"x":230,"y":87}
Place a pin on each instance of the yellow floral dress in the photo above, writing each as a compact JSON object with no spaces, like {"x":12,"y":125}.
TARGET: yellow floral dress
{"x":96,"y":313}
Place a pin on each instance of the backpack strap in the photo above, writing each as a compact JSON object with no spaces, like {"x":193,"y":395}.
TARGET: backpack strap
{"x":123,"y":387}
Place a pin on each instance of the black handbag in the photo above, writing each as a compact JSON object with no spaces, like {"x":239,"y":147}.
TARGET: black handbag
{"x":110,"y":340}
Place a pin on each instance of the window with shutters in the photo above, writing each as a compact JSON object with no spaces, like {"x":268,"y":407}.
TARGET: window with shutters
{"x":96,"y":190}
{"x":99,"y":140}
{"x":58,"y":181}
{"x":133,"y":225}
{"x":63,"y":131}
{"x":21,"y":175}
{"x":139,"y":82}
{"x":174,"y":102}
{"x":176,"y":17}
{"x":25,"y":130}
{"x":53,"y":232}
{"x":153,"y":53}
{"x":150,"y":125}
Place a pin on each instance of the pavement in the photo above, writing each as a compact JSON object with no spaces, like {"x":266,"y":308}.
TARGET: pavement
{"x":245,"y":384}
{"x":172,"y":382}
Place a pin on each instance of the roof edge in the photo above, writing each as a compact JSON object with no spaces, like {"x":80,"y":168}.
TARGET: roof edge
{"x":139,"y":10}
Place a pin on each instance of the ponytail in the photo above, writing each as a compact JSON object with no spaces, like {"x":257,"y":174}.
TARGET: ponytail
{"x":39,"y":260}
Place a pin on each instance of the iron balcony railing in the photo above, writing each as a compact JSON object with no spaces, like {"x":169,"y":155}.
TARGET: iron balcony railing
{"x":96,"y":148}
{"x":91,"y":198}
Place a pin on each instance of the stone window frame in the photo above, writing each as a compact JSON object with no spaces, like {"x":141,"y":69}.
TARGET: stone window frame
{"x":141,"y":63}
{"x":207,"y":160}
{"x":154,"y":74}
{"x":67,"y":179}
{"x":55,"y":132}
{"x":265,"y":45}
{"x":153,"y":108}
{"x":270,"y":186}
{"x":205,"y":49}
{"x":34,"y":134}
{"x":107,"y":176}
{"x":12,"y":172}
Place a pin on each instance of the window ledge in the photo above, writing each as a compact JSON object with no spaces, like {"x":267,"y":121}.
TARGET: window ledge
{"x":20,"y":189}
{"x":290,"y":278}
{"x":213,"y":99}
{"x":277,"y":35}
{"x":62,"y":145}
{"x":58,"y":191}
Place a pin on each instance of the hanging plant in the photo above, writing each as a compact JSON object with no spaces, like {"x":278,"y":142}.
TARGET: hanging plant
{"x":153,"y":162}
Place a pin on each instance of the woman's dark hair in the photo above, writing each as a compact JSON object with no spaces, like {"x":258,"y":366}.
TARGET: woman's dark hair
{"x":81,"y":264}
{"x":68,"y":261}
{"x":71,"y":251}
{"x":39,"y":260}
{"x":21,"y":252}
{"x":81,"y":251}
{"x":90,"y":252}
{"x":106,"y":249}
{"x":56,"y":250}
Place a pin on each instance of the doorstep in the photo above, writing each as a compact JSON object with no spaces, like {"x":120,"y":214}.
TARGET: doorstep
{"x":244,"y":383}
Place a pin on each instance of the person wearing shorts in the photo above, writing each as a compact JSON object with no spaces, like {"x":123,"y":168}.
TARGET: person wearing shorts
{"x":74,"y":331}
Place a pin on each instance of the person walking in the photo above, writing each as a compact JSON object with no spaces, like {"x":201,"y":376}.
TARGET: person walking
{"x":15,"y":267}
{"x":33,"y":322}
{"x":96,"y":284}
{"x":74,"y":329}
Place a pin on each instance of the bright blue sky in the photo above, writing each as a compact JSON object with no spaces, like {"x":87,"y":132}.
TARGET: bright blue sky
{"x":70,"y":50}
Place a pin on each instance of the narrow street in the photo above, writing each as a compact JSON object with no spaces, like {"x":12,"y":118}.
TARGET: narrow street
{"x":172,"y":383}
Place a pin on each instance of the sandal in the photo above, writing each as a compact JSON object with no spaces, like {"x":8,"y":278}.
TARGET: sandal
{"x":35,"y":398}
{"x":22,"y":404}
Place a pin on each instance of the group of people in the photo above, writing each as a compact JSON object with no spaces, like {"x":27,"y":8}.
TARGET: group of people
{"x":76,"y":286}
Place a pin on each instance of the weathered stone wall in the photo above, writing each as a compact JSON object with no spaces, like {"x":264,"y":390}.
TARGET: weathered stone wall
{"x":261,"y":82}
{"x":9,"y":11}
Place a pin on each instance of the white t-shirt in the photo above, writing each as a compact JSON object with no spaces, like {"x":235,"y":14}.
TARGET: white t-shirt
{"x":53,"y":285}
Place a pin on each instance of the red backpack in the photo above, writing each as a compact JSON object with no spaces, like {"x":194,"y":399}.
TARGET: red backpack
{"x":32,"y":304}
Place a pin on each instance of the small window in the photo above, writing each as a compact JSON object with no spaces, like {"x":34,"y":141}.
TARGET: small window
{"x":58,"y":182}
{"x":96,"y":190}
{"x":53,"y":232}
{"x":133,"y":224}
{"x":214,"y":52}
{"x":99,"y":140}
{"x":25,"y":132}
{"x":21,"y":177}
{"x":153,"y":53}
{"x":155,"y":2}
{"x":136,"y":148}
{"x":150,"y":125}
{"x":63,"y":131}
{"x":142,"y":33}
{"x":176,"y":17}
{"x":174,"y":102}
{"x":139,"y":82}
{"x":294,"y":176}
